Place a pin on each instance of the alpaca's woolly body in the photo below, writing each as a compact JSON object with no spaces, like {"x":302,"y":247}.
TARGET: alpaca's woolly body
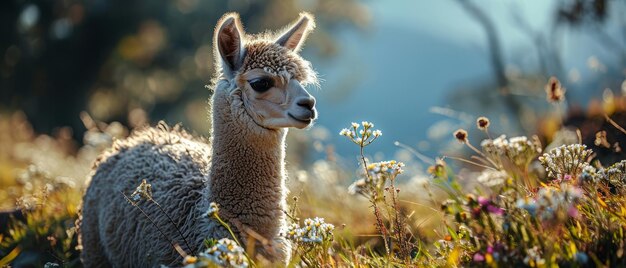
{"x":113,"y":232}
{"x":184,"y":173}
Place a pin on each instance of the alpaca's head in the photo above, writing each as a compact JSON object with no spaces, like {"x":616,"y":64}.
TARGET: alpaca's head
{"x":266,"y":73}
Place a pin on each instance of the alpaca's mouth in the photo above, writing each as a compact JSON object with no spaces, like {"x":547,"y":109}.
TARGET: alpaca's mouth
{"x":305,"y":121}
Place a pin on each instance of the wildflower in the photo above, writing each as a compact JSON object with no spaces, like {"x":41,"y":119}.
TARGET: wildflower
{"x":482,"y":123}
{"x":479,"y":257}
{"x":581,"y":257}
{"x":589,"y":174}
{"x":438,"y":169}
{"x":314,"y":231}
{"x":361,"y":137}
{"x":213,"y":209}
{"x":377,"y":175}
{"x":492,"y":178}
{"x":449,"y":206}
{"x":487,"y":205}
{"x":554,"y":91}
{"x":519,"y":150}
{"x":571,"y":193}
{"x":615,"y":174}
{"x":346,"y":132}
{"x":533,"y":258}
{"x":461,"y":135}
{"x":527,"y":204}
{"x":385,"y":168}
{"x":601,"y":139}
{"x":565,"y":160}
{"x":190,"y":259}
{"x":144,"y":190}
{"x":358,"y":187}
{"x":553,"y":203}
{"x":464,"y":232}
{"x":443,"y":247}
{"x":224,"y":253}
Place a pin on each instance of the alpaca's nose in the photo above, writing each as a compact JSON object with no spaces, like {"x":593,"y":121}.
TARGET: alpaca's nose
{"x":307,"y":102}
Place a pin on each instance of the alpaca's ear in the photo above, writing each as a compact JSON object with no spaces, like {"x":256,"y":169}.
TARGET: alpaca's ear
{"x":293,"y":38}
{"x":229,"y":41}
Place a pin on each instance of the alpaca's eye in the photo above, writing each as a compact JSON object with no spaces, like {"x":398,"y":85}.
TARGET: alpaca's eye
{"x":261,"y":84}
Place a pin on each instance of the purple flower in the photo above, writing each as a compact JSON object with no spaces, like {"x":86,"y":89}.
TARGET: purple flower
{"x":573,"y":212}
{"x":483,"y":201}
{"x":495,"y":210}
{"x":479,"y":257}
{"x":488,"y":205}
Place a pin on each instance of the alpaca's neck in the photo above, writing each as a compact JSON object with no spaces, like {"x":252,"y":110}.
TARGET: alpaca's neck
{"x":247,"y":170}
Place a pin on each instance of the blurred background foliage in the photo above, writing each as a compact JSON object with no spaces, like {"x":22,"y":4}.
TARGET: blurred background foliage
{"x":408,"y":62}
{"x":416,"y":69}
{"x":115,"y":59}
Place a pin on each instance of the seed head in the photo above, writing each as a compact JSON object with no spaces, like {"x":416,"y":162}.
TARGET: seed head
{"x":143,"y":191}
{"x":601,"y":139}
{"x":554,"y":91}
{"x":461,"y":135}
{"x":482,"y":123}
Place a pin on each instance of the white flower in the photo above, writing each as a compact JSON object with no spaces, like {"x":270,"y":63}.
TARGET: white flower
{"x":225,"y":253}
{"x":345,"y":132}
{"x":314,"y":231}
{"x":377,"y":133}
{"x":355,"y":125}
{"x":492,"y":178}
{"x":213,"y":209}
{"x":385,"y":168}
{"x":565,"y":160}
{"x":357,"y":187}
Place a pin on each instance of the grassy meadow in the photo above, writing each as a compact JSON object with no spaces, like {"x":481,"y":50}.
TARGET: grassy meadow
{"x":539,"y":200}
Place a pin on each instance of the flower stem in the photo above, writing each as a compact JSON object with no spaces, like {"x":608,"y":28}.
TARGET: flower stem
{"x":217,"y":217}
{"x":150,"y":219}
{"x":173,"y":223}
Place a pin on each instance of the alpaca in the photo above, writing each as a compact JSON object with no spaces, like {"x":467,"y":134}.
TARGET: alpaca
{"x":258,"y":94}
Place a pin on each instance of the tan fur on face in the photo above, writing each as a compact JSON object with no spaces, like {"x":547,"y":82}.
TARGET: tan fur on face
{"x":267,"y":108}
{"x":277,"y":60}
